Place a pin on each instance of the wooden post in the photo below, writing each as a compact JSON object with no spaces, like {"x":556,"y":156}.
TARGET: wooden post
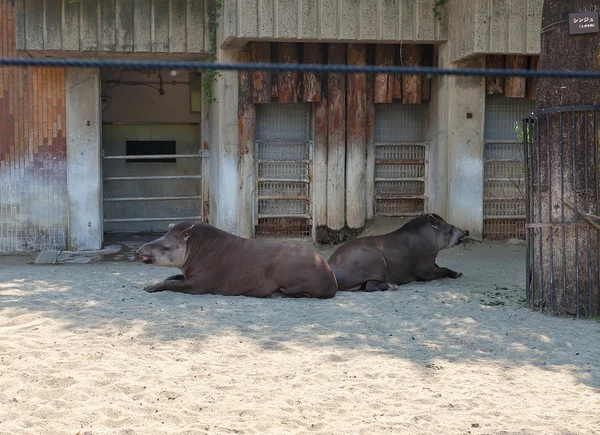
{"x":246,"y":137}
{"x":320,"y":163}
{"x":275,"y":74}
{"x":370,"y":137}
{"x":288,"y":80}
{"x":261,"y":53}
{"x":495,"y":85}
{"x":427,"y":61}
{"x":356,"y":152}
{"x":532,"y":81}
{"x":384,"y":82}
{"x":514,"y":87}
{"x":313,"y":53}
{"x":336,"y":140}
{"x":411,"y":83}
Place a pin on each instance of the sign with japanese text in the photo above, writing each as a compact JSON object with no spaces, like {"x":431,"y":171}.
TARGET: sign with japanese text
{"x":583,"y":22}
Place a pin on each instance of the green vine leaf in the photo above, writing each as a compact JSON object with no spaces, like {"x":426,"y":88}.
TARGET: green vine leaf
{"x":211,"y":76}
{"x":436,"y":9}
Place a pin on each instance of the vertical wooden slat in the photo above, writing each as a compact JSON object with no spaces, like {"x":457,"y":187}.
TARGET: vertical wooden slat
{"x":411,"y":83}
{"x":261,"y":53}
{"x":514,"y":87}
{"x":275,"y":74}
{"x":320,"y":162}
{"x":532,"y":81}
{"x":495,"y":85}
{"x":384,"y":86}
{"x":336,"y":142}
{"x":288,"y":80}
{"x":370,"y":137}
{"x":313,"y":54}
{"x":427,"y":61}
{"x":246,"y":137}
{"x":356,"y":152}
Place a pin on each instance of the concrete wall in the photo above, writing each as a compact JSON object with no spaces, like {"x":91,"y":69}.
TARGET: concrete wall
{"x":84,"y":176}
{"x":326,"y":20}
{"x":466,"y":111}
{"x":494,"y":26}
{"x":108,"y":26}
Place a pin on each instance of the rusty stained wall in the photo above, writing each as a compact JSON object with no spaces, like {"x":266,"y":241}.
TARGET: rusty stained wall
{"x":33,"y":202}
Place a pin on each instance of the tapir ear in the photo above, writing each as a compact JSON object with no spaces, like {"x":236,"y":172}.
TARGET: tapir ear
{"x":171,"y":226}
{"x":185,"y":234}
{"x":432,"y":221}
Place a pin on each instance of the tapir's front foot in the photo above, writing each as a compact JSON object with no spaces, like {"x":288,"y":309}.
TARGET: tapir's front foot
{"x":453,"y":274}
{"x":154,"y":288}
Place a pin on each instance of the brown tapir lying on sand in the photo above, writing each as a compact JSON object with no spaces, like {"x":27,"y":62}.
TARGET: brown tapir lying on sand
{"x":214,"y":261}
{"x":387,"y":261}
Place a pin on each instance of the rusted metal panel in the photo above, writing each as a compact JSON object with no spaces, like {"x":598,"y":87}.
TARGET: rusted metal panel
{"x":495,"y":85}
{"x":246,"y":138}
{"x":313,"y":53}
{"x":412,"y":83}
{"x":261,"y":53}
{"x":532,"y":81}
{"x":288,"y":80}
{"x":514,"y":87}
{"x":336,"y":142}
{"x":356,"y":140}
{"x":384,"y":84}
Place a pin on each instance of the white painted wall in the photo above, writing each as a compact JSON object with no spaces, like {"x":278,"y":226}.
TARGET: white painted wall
{"x":84,"y":175}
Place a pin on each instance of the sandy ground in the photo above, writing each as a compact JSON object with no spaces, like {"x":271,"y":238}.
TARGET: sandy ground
{"x":84,"y":350}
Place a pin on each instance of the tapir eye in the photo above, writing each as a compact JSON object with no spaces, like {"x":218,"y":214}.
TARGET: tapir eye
{"x":165,"y":248}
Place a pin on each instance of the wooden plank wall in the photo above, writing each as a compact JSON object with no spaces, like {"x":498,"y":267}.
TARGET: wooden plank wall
{"x":344,"y":115}
{"x":512,"y":87}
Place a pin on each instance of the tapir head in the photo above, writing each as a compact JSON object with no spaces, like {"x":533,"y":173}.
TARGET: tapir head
{"x":446,"y":235}
{"x":169,"y":250}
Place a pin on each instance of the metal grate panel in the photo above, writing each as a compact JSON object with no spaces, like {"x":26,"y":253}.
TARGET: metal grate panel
{"x":504,"y":175}
{"x":283,"y":204}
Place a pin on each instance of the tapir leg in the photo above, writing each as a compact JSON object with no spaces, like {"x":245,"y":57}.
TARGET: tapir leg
{"x":375,"y":286}
{"x":435,"y":272}
{"x":182,"y":286}
{"x":359,"y":269}
{"x":175,"y":278}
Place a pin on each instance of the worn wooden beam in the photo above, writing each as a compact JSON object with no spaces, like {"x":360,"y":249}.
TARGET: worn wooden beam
{"x":370,"y":137}
{"x":336,"y":140}
{"x":427,"y":61}
{"x":246,"y":137}
{"x":320,"y":162}
{"x":495,"y":85}
{"x":261,"y":53}
{"x":412,"y":84}
{"x":275,"y":74}
{"x":532,"y":81}
{"x":384,"y":82}
{"x":514,"y":87}
{"x":356,"y":143}
{"x":288,"y":80}
{"x":313,"y":53}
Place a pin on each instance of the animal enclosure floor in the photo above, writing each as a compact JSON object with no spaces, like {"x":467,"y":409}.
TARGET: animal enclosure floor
{"x":84,"y":350}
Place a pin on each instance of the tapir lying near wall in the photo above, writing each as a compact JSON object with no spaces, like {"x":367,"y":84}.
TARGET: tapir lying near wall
{"x":214,"y":261}
{"x":387,"y":261}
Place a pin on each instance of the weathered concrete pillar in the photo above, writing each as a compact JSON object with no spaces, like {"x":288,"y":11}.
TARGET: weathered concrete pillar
{"x":223,"y":148}
{"x":437,"y":174}
{"x":84,"y":167}
{"x":466,"y":103}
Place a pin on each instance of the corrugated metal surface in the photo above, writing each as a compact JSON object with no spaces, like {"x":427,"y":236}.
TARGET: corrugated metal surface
{"x":131,"y":26}
{"x":326,"y":20}
{"x":400,"y":159}
{"x":504,"y":176}
{"x":33,"y":175}
{"x":283,"y":196}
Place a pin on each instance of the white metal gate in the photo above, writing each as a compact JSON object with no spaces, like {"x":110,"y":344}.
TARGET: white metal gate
{"x":145,"y":192}
{"x":504,"y":175}
{"x":283,"y":157}
{"x":400,"y":160}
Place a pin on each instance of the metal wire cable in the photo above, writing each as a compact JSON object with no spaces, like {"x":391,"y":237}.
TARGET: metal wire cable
{"x":348,"y":69}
